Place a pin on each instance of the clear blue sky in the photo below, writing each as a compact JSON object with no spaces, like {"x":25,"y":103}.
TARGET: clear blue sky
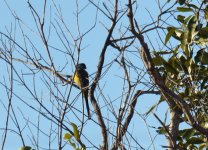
{"x":92,"y":45}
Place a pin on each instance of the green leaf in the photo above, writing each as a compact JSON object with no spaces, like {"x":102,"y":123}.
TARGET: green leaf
{"x":187,"y":91}
{"x":158,"y":60}
{"x":187,"y":133}
{"x":195,"y":140}
{"x":180,"y":18}
{"x":183,"y":60}
{"x":192,"y":28}
{"x":174,"y":63}
{"x":192,"y":23}
{"x":177,"y":34}
{"x":76,"y":131}
{"x":67,"y":136}
{"x":202,"y":57}
{"x":202,"y":41}
{"x":189,"y":65}
{"x":206,"y":13}
{"x":184,"y":43}
{"x":169,"y":34}
{"x":164,"y":52}
{"x":161,"y":130}
{"x":25,"y":148}
{"x":191,"y":147}
{"x":193,"y":6}
{"x":184,"y":9}
{"x":170,"y":69}
{"x":202,"y":146}
{"x":73,"y":145}
{"x":203,"y":33}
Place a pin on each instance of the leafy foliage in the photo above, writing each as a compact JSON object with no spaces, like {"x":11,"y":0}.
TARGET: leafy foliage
{"x":74,"y":140}
{"x":26,"y":148}
{"x":186,"y":69}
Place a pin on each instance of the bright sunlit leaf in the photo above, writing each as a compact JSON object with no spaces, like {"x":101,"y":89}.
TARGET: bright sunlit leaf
{"x":76,"y":131}
{"x":67,"y":136}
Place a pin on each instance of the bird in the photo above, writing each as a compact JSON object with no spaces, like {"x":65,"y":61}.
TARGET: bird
{"x":81,"y":78}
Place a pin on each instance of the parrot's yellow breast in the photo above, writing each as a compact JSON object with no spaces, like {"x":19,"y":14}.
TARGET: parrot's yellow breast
{"x":77,"y":80}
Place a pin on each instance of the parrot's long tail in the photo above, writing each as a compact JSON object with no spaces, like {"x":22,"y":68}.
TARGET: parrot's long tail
{"x":85,"y":93}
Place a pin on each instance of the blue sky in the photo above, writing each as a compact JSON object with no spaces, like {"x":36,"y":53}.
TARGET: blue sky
{"x":92,"y":45}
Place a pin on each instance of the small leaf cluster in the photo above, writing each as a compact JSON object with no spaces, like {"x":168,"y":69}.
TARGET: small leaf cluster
{"x":74,"y":140}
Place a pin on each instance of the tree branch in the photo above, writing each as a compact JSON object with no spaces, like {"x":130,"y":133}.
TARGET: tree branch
{"x":122,"y":131}
{"x":168,"y":94}
{"x":97,"y":77}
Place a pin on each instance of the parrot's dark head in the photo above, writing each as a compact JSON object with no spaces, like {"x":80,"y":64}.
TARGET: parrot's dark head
{"x":81,"y":66}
